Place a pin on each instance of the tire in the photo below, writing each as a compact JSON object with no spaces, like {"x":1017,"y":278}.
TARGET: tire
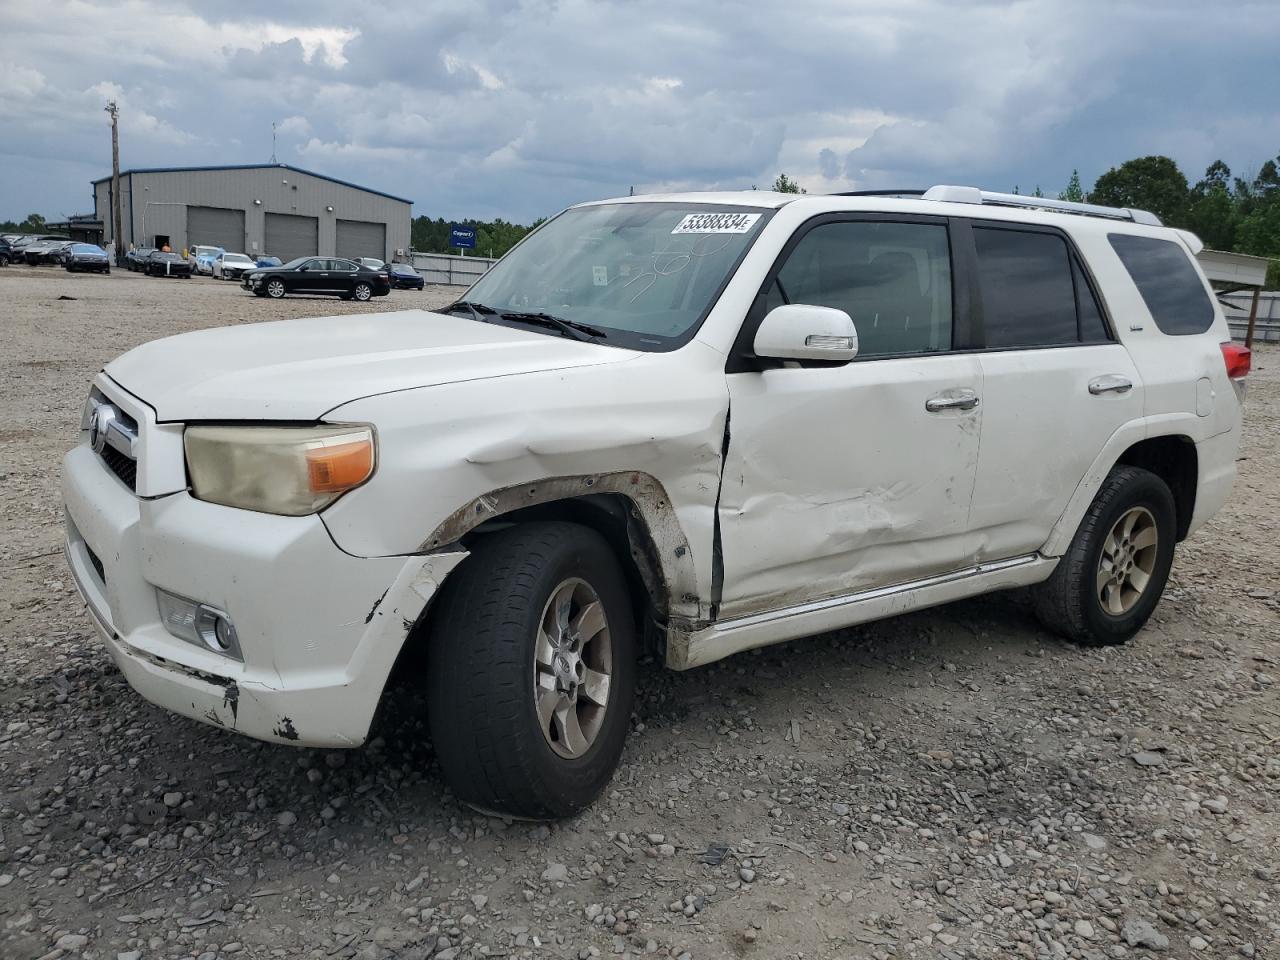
{"x":482,"y":673}
{"x":362,"y":292}
{"x":1071,"y":602}
{"x":275,"y":288}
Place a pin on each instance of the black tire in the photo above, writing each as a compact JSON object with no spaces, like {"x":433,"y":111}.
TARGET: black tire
{"x":275,"y":288}
{"x":1069,"y":602}
{"x":362,"y":292}
{"x":481,"y":672}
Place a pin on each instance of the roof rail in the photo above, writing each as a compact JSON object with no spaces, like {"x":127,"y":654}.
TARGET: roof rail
{"x":877,"y":193}
{"x":953,"y":194}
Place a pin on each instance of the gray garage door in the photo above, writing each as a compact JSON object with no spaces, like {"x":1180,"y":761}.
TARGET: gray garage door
{"x":357,"y":238}
{"x":216,"y":227}
{"x":289,"y":237}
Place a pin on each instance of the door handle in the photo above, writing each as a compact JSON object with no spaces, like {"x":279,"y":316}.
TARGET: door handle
{"x":1110,"y":383}
{"x":964,"y":399}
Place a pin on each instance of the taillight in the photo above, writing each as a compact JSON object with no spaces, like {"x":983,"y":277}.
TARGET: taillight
{"x":1238,"y":360}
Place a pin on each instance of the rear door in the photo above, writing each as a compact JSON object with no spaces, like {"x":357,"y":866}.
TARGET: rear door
{"x":1056,"y":383}
{"x":344,"y":275}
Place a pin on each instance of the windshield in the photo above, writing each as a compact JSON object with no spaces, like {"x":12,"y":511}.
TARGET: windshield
{"x":87,"y":248}
{"x":297,"y":263}
{"x":235,"y":258}
{"x":646,"y":273}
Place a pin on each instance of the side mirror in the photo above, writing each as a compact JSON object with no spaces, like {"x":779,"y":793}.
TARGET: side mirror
{"x":800,"y":331}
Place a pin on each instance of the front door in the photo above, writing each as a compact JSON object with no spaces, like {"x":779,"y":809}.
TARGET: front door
{"x":847,"y":478}
{"x":312,"y":277}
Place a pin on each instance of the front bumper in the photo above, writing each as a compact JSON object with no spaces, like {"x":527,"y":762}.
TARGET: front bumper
{"x":319,"y":629}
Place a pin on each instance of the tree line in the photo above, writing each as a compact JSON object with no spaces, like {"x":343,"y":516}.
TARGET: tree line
{"x":1236,"y":214}
{"x":493,"y":238}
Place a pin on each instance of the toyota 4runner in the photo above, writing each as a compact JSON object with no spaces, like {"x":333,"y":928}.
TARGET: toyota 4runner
{"x":691,"y":424}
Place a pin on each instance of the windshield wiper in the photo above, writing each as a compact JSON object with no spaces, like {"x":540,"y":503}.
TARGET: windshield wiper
{"x":473,"y":307}
{"x":570,"y":328}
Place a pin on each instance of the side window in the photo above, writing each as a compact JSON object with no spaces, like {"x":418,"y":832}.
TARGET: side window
{"x":893,"y":279}
{"x":1028,"y":294}
{"x":1169,"y":284}
{"x":345,"y":265}
{"x":1093,"y":329}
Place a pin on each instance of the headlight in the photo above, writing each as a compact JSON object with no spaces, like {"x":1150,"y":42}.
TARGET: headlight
{"x":292,"y":471}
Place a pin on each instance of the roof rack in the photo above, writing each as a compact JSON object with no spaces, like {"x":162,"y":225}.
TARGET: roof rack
{"x":953,"y":194}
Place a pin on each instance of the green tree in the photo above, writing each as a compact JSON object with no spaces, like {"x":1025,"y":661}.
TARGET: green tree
{"x":33,"y":224}
{"x":1074,"y":192}
{"x":1147,"y":183}
{"x":1212,"y":209}
{"x":785,"y":184}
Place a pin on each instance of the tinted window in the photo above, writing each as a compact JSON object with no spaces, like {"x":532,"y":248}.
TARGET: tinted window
{"x":1028,"y":297}
{"x":344,"y":265}
{"x":1169,"y":284}
{"x":1093,"y":328}
{"x":893,"y":279}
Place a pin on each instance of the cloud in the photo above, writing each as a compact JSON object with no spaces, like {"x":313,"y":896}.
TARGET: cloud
{"x":515,"y":108}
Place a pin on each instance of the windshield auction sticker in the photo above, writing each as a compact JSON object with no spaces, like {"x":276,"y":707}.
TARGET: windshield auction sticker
{"x":717,"y":223}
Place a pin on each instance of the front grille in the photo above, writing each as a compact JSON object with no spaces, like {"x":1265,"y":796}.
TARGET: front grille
{"x":122,"y":466}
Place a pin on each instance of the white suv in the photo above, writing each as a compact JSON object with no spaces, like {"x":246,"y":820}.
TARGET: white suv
{"x":692,"y":424}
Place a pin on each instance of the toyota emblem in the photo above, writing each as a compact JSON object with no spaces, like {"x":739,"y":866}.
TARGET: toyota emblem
{"x":104,"y":415}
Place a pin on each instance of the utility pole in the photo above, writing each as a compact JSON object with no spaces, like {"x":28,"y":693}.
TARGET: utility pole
{"x":117,"y":224}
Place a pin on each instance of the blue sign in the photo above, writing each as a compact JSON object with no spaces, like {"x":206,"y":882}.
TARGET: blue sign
{"x":462,"y":236}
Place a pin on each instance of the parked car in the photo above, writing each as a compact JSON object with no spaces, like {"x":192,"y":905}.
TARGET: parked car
{"x":45,"y":251}
{"x":404,"y":277}
{"x":373,"y":263}
{"x":6,"y":251}
{"x":59,"y":253}
{"x":319,"y":275}
{"x":87,"y":257}
{"x":136,"y":259}
{"x":161,"y":264}
{"x":807,"y":413}
{"x":201,"y":258}
{"x":264,"y":261}
{"x":231,"y":266}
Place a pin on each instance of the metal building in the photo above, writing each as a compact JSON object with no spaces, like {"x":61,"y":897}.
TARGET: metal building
{"x":272,"y":209}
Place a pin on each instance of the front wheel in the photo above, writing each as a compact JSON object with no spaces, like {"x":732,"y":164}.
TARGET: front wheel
{"x":1109,"y":581}
{"x":362,"y":292}
{"x":275,"y":288}
{"x":531,"y":671}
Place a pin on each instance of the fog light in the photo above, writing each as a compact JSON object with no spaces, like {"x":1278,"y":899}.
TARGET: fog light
{"x":198,"y":623}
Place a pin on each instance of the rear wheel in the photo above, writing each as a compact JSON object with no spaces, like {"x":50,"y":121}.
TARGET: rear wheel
{"x":362,"y":292}
{"x":1109,"y":581}
{"x":531,"y":671}
{"x":275,"y":288}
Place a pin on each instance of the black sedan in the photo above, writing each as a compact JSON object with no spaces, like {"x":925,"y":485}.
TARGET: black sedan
{"x":161,"y":264}
{"x":136,"y":259}
{"x":86,"y":256}
{"x":404,"y":277}
{"x":318,"y":275}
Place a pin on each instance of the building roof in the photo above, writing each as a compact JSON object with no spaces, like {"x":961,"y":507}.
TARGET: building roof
{"x":256,"y":166}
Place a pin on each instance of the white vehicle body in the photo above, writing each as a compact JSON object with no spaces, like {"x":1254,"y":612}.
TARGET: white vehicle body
{"x":232,"y":266}
{"x":373,"y":263}
{"x":762,"y":505}
{"x":201,"y":258}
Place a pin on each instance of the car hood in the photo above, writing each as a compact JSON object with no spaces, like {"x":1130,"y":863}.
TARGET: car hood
{"x":300,"y":369}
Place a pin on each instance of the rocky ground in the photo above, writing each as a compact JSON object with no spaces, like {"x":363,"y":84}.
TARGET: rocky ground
{"x":955,"y":783}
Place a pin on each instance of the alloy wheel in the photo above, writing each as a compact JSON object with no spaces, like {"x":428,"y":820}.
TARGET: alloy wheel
{"x":1128,"y":561}
{"x":573,"y":667}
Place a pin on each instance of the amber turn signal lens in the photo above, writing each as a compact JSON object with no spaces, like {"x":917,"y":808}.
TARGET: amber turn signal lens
{"x":339,"y":467}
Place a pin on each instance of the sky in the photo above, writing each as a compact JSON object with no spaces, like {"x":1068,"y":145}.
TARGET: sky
{"x":518,"y":108}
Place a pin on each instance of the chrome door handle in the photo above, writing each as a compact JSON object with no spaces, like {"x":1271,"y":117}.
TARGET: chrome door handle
{"x":964,"y":399}
{"x":1111,"y":383}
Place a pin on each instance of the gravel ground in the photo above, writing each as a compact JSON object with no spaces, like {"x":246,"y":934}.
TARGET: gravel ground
{"x":955,"y":783}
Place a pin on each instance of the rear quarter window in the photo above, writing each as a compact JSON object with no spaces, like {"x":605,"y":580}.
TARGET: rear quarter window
{"x":1168,"y":281}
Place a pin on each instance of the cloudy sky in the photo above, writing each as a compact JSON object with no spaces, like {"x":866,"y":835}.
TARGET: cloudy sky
{"x":516,"y":108}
